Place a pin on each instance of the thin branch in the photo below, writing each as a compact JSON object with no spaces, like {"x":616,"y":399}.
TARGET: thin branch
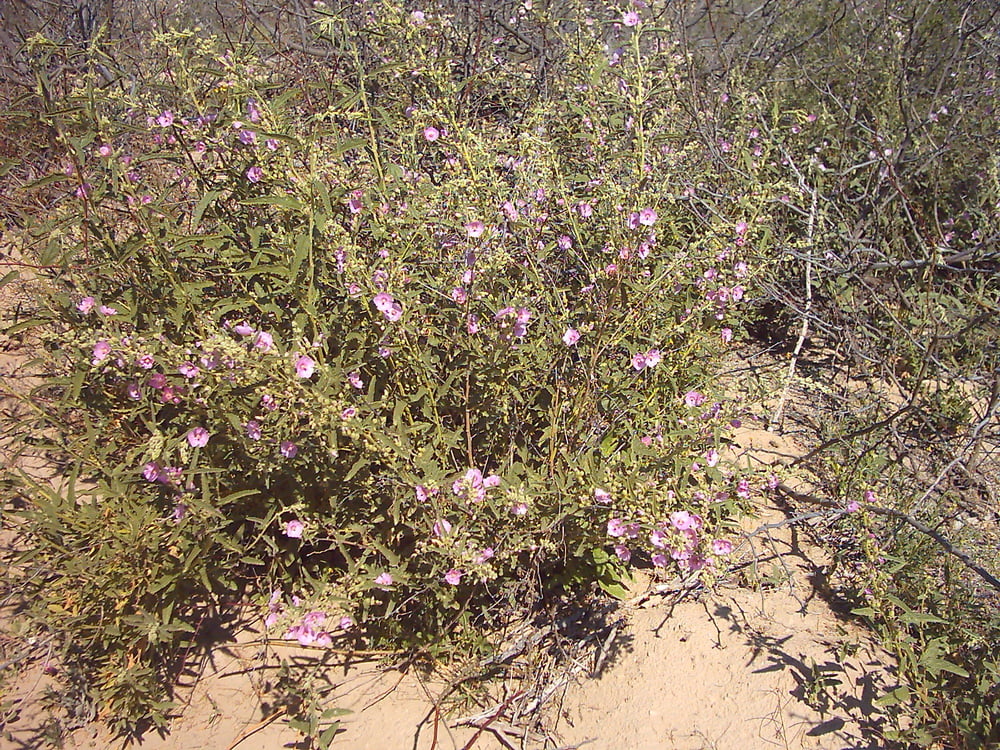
{"x":943,"y":541}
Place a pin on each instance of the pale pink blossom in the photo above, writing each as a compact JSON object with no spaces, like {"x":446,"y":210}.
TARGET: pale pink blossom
{"x":101,"y":351}
{"x":85,"y":305}
{"x":305,"y":366}
{"x":288,"y":449}
{"x":197,"y":437}
{"x":474,"y":229}
{"x":722,"y":546}
{"x":647,"y":217}
{"x":263,"y":341}
{"x":616,"y":527}
{"x":431,"y":133}
{"x":294,"y":529}
{"x":571,"y":336}
{"x":694,"y":398}
{"x":453,"y":576}
{"x":602,"y":496}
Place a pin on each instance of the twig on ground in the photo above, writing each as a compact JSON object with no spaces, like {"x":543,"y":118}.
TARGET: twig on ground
{"x":257,"y":727}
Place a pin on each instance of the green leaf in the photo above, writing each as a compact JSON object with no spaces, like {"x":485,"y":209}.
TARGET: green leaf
{"x":893,"y":697}
{"x":203,"y":204}
{"x":919,"y":618}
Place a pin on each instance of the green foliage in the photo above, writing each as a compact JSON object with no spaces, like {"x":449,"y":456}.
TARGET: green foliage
{"x":345,"y":348}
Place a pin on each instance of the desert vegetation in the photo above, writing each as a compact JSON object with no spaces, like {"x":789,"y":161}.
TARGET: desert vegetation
{"x":390,"y":323}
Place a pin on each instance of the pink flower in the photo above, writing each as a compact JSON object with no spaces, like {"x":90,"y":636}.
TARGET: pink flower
{"x":394,"y":313}
{"x":305,"y":366}
{"x":653,"y":358}
{"x":870,"y":496}
{"x":459,"y":295}
{"x":682,"y":520}
{"x":157,"y":380}
{"x":243,"y":329}
{"x":602,"y":496}
{"x":616,"y":527}
{"x":694,"y":398}
{"x":383,"y":302}
{"x":565,"y":242}
{"x":658,"y":538}
{"x":101,"y":351}
{"x":585,"y":210}
{"x":630,"y":18}
{"x":491,"y":481}
{"x":743,"y":489}
{"x":355,"y":380}
{"x":383,"y":579}
{"x":483,"y":556}
{"x":712,"y":457}
{"x":571,"y":336}
{"x":294,"y":529}
{"x":104,"y":150}
{"x":741,"y":227}
{"x":197,"y":437}
{"x":519,"y":509}
{"x":253,"y":429}
{"x":247,"y":137}
{"x":145,"y":361}
{"x":255,"y":174}
{"x":349,"y":413}
{"x":152,"y":471}
{"x":453,"y":576}
{"x":472,"y":325}
{"x":726,"y":335}
{"x":638,"y":361}
{"x":313,"y":619}
{"x":441,"y":527}
{"x":165,"y":119}
{"x":263,"y":341}
{"x":288,"y":449}
{"x":346,"y":622}
{"x":623,"y":553}
{"x":722,"y":546}
{"x":853,"y":507}
{"x":85,"y":305}
{"x":659,"y":560}
{"x":475,"y":229}
{"x":647,"y":217}
{"x":188,"y":370}
{"x":431,"y":133}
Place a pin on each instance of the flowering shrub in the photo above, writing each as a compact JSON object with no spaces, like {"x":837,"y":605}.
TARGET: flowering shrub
{"x":371,"y":362}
